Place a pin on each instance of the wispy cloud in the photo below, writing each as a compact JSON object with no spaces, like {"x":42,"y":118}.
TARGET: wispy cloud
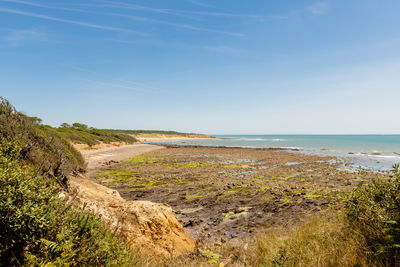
{"x":28,"y":3}
{"x":73,"y":67}
{"x":122,"y":84}
{"x":112,"y":82}
{"x":136,"y":18}
{"x":16,"y":37}
{"x":318,"y":8}
{"x":225,"y":49}
{"x":195,"y":28}
{"x":177,"y":25}
{"x":174,"y":12}
{"x":113,"y":85}
{"x":197,"y":3}
{"x":125,"y":6}
{"x":74,"y":22}
{"x":226,"y":15}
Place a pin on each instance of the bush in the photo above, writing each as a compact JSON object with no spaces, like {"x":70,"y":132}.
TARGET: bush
{"x":40,"y":145}
{"x":37,"y":227}
{"x":82,"y":134}
{"x":375,"y":211}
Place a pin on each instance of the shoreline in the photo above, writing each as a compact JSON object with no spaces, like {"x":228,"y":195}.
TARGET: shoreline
{"x":156,"y":137}
{"x":166,"y":139}
{"x":227,"y":147}
{"x":351,"y":161}
{"x":226,"y":193}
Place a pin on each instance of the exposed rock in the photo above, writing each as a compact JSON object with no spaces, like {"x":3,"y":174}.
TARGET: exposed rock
{"x":149,"y":226}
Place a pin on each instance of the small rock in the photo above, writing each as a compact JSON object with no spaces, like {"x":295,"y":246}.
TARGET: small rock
{"x":188,"y":223}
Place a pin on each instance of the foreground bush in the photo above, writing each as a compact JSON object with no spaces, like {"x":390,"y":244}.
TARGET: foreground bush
{"x":375,"y":211}
{"x":37,"y":227}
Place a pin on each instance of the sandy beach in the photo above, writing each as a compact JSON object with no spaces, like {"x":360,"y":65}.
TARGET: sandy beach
{"x":105,"y":156}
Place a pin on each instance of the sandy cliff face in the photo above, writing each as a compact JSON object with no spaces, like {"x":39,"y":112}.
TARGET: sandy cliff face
{"x":170,"y":137}
{"x":149,"y":226}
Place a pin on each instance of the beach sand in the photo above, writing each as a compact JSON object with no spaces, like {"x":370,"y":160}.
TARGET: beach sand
{"x":108,"y":155}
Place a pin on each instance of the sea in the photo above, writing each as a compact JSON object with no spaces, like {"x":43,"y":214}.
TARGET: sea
{"x":374,"y":152}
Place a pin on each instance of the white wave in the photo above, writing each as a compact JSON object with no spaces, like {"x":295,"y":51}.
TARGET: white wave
{"x":384,"y":156}
{"x":292,"y":147}
{"x":250,"y":139}
{"x":375,"y":155}
{"x":260,"y":139}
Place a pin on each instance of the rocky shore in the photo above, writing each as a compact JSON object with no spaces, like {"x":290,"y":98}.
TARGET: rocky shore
{"x":228,"y":194}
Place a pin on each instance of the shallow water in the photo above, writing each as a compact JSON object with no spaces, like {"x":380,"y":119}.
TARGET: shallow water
{"x":378,"y":152}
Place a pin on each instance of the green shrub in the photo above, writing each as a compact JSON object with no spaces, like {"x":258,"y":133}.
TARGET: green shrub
{"x":37,"y":227}
{"x":375,"y":210}
{"x":41,"y":146}
{"x":151,"y":132}
{"x":81,"y":133}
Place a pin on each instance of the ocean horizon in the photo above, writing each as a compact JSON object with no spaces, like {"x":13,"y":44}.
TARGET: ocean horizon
{"x":370,"y":151}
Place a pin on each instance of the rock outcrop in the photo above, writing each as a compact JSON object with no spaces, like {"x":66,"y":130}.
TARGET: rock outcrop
{"x":148,"y":226}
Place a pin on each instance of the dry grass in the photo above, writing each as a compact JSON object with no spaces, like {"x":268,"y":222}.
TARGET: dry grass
{"x":322,"y":241}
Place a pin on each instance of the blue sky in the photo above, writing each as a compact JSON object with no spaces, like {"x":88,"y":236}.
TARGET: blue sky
{"x":219,"y":67}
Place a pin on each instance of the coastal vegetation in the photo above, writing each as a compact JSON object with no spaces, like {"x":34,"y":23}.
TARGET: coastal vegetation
{"x":82,"y":134}
{"x":79,"y":133}
{"x":38,"y":145}
{"x":365,"y":232}
{"x":306,"y":213}
{"x":38,"y":226}
{"x":136,"y":132}
{"x":251,"y":213}
{"x":374,"y":211}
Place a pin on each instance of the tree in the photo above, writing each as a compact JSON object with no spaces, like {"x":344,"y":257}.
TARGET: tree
{"x":65,"y":125}
{"x":81,"y":126}
{"x":36,"y":119}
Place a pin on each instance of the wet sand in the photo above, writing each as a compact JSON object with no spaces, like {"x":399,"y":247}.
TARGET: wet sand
{"x":227,"y":194}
